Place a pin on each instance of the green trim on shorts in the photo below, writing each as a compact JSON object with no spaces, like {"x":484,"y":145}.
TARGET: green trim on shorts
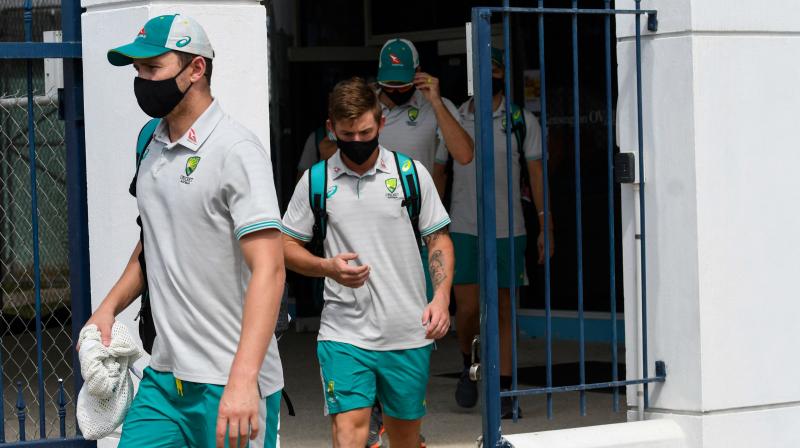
{"x":466,"y":266}
{"x":353,"y":377}
{"x":169,"y":413}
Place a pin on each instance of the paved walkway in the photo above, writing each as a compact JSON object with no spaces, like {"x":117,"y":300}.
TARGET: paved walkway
{"x":446,"y":425}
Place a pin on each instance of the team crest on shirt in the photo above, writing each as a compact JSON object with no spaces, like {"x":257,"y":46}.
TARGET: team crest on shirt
{"x":391,"y":187}
{"x":391,"y":184}
{"x":191,"y":166}
{"x":413,"y":114}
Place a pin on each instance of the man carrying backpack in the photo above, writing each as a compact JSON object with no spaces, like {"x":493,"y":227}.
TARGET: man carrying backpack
{"x":369,"y":208}
{"x":213,"y":252}
{"x":526,"y":142}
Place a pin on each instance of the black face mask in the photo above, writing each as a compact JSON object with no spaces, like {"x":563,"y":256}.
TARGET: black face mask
{"x":498,"y":85}
{"x":399,"y":98}
{"x":159,"y":98}
{"x":358,"y":152}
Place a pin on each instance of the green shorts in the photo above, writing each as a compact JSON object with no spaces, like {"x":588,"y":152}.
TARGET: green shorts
{"x":466,"y":251}
{"x":168,"y":413}
{"x":353,"y":377}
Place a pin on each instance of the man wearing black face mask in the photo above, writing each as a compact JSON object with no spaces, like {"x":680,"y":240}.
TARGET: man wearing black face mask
{"x":377,"y":327}
{"x":212,"y":256}
{"x":417,"y":117}
{"x":526,"y":142}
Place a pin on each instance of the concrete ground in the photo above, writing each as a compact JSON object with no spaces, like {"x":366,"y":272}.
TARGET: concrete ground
{"x":446,"y":424}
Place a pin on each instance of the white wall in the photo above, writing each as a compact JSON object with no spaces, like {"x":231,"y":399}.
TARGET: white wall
{"x":237,"y":30}
{"x":720,"y":92}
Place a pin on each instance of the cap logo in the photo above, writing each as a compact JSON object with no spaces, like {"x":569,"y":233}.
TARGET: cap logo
{"x":395,"y":60}
{"x":141,"y":34}
{"x":183,"y":42}
{"x":192,"y":136}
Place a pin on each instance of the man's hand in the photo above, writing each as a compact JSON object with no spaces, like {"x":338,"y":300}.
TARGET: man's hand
{"x":104,"y":321}
{"x":429,"y":86}
{"x":540,"y":244}
{"x":345,"y":274}
{"x":436,"y":318}
{"x":238,"y":413}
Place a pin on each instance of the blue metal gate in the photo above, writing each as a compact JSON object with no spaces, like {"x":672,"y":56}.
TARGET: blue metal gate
{"x":482,"y":73}
{"x":44,"y":276}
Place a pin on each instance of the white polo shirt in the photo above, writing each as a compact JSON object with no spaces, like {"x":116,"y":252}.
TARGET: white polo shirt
{"x":412,"y":128}
{"x":197,"y":197}
{"x":465,"y":197}
{"x":365,"y":216}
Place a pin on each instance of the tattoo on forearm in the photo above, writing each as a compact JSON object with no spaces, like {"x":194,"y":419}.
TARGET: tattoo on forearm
{"x":436,"y":268}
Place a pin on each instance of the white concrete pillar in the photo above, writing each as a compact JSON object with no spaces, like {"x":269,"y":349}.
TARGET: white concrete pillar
{"x":720,"y":92}
{"x":238,"y":33}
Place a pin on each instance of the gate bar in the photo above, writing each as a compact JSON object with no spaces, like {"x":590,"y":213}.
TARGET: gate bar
{"x":37,"y":274}
{"x":77,"y":211}
{"x":576,"y":129}
{"x":546,"y":192}
{"x":40,"y":50}
{"x":612,"y":258}
{"x":642,"y":240}
{"x":487,"y":247}
{"x":510,"y":204}
{"x":541,"y":9}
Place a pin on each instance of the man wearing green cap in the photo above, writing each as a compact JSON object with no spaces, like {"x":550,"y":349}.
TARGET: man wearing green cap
{"x":213,"y":257}
{"x":417,"y":117}
{"x":526,"y":145}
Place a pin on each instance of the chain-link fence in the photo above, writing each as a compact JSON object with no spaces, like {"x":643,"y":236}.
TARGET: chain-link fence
{"x":46,"y":16}
{"x":18,"y":351}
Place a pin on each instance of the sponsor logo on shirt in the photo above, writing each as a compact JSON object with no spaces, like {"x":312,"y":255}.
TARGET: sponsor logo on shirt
{"x":192,"y":136}
{"x":191,"y":166}
{"x":413,"y":114}
{"x":331,"y":191}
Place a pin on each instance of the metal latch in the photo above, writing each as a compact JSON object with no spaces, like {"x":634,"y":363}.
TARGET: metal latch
{"x":475,"y":368}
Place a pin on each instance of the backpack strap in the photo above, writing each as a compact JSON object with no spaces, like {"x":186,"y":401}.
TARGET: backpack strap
{"x":407,"y":171}
{"x":142,"y":142}
{"x":147,"y":329}
{"x":317,"y":186}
